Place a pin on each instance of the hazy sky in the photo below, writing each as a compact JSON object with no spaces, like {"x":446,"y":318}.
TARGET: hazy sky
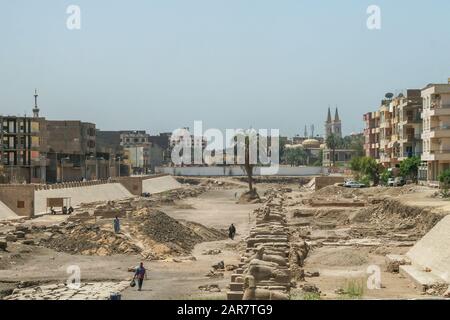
{"x":159,"y":65}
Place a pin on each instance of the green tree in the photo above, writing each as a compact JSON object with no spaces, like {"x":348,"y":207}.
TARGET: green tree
{"x":295,"y":156}
{"x":371,"y":168}
{"x":319,"y":161}
{"x":333,"y":142}
{"x":355,"y":166}
{"x":410,"y":167}
{"x":444,"y":179}
{"x":366,"y":167}
{"x":385,"y":176}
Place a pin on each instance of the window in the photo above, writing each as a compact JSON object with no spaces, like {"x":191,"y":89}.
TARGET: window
{"x":20,"y":204}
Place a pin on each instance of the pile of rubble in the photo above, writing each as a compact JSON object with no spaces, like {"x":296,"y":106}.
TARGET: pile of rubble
{"x":179,"y":237}
{"x":391,"y":217}
{"x":264,"y":272}
{"x":60,"y":291}
{"x":125,"y":206}
{"x":88,"y":239}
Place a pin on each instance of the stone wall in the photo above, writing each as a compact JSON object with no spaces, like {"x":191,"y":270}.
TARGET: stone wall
{"x":132,"y":184}
{"x":19,"y":198}
{"x":322,"y":182}
{"x":239,"y":171}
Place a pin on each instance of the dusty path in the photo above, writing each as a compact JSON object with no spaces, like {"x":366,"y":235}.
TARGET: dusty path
{"x":180,"y":280}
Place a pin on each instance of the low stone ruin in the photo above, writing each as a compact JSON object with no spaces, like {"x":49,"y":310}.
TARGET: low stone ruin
{"x":264,"y":272}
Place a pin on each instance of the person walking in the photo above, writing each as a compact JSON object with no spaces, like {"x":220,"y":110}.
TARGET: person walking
{"x":140,"y":274}
{"x":116,"y":225}
{"x":231,"y":231}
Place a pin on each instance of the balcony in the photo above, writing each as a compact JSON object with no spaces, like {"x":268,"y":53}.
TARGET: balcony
{"x":441,"y":131}
{"x":410,"y":137}
{"x":435,"y":155}
{"x":406,"y":155}
{"x":438,"y":109}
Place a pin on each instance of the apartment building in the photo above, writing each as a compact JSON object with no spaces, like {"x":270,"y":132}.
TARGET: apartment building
{"x":436,"y":130}
{"x":22,"y":149}
{"x":133,"y":138}
{"x":385,"y":151}
{"x":372,"y":134}
{"x":393,"y":133}
{"x":72,"y":152}
{"x":408,"y":128}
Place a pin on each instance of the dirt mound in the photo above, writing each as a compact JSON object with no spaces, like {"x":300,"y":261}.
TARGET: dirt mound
{"x":249,"y":197}
{"x":393,"y":215}
{"x":337,"y":191}
{"x":331,"y":193}
{"x":90,"y":240}
{"x":207,"y":234}
{"x":179,"y":237}
{"x":340,"y":257}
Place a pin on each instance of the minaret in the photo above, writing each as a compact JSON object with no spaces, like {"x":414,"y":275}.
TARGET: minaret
{"x":35,"y":109}
{"x":305,"y":134}
{"x":337,"y":126}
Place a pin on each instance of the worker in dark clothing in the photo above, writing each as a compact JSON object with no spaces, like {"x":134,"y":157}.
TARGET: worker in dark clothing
{"x":140,"y":274}
{"x":116,"y":225}
{"x":231,"y":231}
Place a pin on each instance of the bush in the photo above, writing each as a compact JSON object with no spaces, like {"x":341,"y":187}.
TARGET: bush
{"x":410,"y":168}
{"x":385,"y":176}
{"x":354,"y":289}
{"x":365,"y":180}
{"x":444,"y":179}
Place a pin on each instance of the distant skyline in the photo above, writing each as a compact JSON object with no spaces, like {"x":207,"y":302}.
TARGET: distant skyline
{"x":160,"y":65}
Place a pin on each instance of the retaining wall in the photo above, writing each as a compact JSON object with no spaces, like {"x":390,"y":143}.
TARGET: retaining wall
{"x":238,"y":171}
{"x":18,"y":198}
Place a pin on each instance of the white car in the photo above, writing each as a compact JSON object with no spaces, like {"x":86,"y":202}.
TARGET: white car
{"x":354,"y":184}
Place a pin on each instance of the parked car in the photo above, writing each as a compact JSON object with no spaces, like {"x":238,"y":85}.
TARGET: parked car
{"x":354,"y":184}
{"x":396,"y":182}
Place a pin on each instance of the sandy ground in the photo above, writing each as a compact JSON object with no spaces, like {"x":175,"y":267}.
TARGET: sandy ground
{"x":167,"y":279}
{"x":339,"y":267}
{"x":180,"y":280}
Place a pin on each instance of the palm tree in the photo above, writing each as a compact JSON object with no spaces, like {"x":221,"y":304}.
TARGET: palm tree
{"x":333,"y":142}
{"x":242,"y":140}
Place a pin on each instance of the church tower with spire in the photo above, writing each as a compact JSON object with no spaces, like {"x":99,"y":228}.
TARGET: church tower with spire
{"x":333,"y":126}
{"x":328,"y":125}
{"x":337,"y":127}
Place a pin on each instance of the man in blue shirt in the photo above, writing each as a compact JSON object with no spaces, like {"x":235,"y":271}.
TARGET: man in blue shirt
{"x":140,"y":274}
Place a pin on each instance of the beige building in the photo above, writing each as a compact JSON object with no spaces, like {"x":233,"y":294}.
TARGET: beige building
{"x":385,"y":152}
{"x":409,"y":126}
{"x":372,"y":134}
{"x":436,"y":130}
{"x":393,"y":133}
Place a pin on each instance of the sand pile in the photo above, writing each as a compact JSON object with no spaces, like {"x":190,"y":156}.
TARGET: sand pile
{"x":89,"y":240}
{"x":340,"y":257}
{"x":393,"y":215}
{"x":337,"y":193}
{"x":163,"y":235}
{"x":249,"y":197}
